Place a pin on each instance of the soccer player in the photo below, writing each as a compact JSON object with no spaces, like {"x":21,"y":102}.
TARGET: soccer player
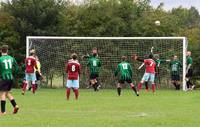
{"x":94,"y":65}
{"x":38,"y":71}
{"x":73,"y":69}
{"x":149,"y":74}
{"x":8,"y":66}
{"x":189,"y":71}
{"x":125,"y":71}
{"x":175,"y":66}
{"x":30,"y":63}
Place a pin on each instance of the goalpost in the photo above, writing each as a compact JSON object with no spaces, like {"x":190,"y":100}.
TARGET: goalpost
{"x":53,"y":52}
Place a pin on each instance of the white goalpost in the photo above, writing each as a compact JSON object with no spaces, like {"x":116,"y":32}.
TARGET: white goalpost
{"x":53,"y":52}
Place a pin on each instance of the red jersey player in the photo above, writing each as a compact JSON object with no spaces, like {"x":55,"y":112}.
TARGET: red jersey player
{"x":30,"y":63}
{"x":149,"y":74}
{"x":72,"y":69}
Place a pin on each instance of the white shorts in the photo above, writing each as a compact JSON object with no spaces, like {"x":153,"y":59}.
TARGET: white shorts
{"x":72,"y":84}
{"x":30,"y":77}
{"x":148,"y":77}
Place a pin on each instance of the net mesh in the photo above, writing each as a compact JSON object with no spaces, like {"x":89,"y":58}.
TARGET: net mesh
{"x":53,"y":54}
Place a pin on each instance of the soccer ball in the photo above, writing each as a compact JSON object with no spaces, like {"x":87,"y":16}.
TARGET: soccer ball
{"x":157,"y":23}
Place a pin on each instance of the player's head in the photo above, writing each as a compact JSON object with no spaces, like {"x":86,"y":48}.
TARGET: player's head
{"x":156,"y":56}
{"x":4,"y":49}
{"x":150,"y":56}
{"x":124,"y":58}
{"x":94,"y":51}
{"x":32,"y":52}
{"x":74,"y":56}
{"x":188,"y":53}
{"x":175,"y":57}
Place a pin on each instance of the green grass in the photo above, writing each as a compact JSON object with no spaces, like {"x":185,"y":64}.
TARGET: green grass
{"x":48,"y":108}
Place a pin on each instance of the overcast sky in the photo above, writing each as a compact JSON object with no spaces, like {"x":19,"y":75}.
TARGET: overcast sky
{"x":169,"y":4}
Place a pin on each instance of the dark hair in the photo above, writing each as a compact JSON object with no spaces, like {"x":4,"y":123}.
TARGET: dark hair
{"x":124,"y":58}
{"x":151,"y":56}
{"x":95,"y":48}
{"x":4,"y":49}
{"x":74,"y":56}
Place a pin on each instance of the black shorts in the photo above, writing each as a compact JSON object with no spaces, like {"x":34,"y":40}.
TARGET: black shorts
{"x":175,"y":77}
{"x":122,"y":81}
{"x":190,"y":73}
{"x":6,"y":85}
{"x":94,"y":76}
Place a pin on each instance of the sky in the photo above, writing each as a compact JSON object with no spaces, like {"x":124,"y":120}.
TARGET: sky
{"x":169,"y":4}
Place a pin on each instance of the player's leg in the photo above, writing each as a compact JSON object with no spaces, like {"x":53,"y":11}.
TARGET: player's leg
{"x":144,"y":79}
{"x":9,"y":83}
{"x":13,"y":102}
{"x":76,"y":87}
{"x":146,"y":86}
{"x":27,"y":79}
{"x":3,"y":102}
{"x":152,"y":80}
{"x":33,"y":79}
{"x":177,"y":82}
{"x":119,"y":88}
{"x":188,"y":79}
{"x":68,"y":87}
{"x":173,"y":81}
{"x":133,"y":86}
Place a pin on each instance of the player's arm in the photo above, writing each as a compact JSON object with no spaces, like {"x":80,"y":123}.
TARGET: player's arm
{"x":15,"y":66}
{"x":130,"y":70}
{"x":39,"y":68}
{"x":99,"y":63}
{"x":135,"y":57}
{"x":85,"y":56}
{"x":141,"y":66}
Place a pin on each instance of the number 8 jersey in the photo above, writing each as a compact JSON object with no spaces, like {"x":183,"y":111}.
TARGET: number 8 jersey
{"x":30,"y":64}
{"x":73,"y":69}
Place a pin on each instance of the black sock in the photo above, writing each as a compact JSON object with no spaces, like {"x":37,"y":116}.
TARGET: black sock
{"x":119,"y":91}
{"x":13,"y":102}
{"x":188,"y":85}
{"x":175,"y":85}
{"x":133,"y":88}
{"x":178,"y":87}
{"x":95,"y":87}
{"x":3,"y":106}
{"x":146,"y":85}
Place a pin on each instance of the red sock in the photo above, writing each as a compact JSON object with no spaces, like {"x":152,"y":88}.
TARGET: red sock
{"x":33,"y":88}
{"x":76,"y":93}
{"x":24,"y":87}
{"x":68,"y":93}
{"x":153,"y":87}
{"x":139,"y":86}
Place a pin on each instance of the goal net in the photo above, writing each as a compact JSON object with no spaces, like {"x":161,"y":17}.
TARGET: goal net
{"x":53,"y":52}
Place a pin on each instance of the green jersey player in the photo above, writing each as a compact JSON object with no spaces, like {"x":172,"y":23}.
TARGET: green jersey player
{"x":189,"y":71}
{"x":8,"y":66}
{"x":124,"y":71}
{"x":175,"y":67}
{"x":94,"y":66}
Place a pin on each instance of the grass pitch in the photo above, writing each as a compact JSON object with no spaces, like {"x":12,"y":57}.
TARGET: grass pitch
{"x":48,"y":108}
